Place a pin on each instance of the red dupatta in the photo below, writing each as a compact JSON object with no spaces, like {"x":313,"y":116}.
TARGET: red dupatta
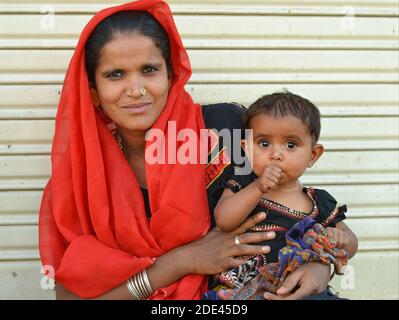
{"x":93,"y":228}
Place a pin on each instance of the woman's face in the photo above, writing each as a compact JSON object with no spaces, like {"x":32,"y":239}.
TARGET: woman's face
{"x":128,"y":63}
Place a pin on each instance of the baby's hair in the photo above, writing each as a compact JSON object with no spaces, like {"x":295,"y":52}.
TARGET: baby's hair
{"x":281,"y":104}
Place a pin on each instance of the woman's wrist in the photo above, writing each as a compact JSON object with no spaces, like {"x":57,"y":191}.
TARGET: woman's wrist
{"x":186,"y":257}
{"x":168,"y":268}
{"x":139,"y":286}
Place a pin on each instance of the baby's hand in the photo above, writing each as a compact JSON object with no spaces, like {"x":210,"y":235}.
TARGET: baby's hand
{"x":269,"y":178}
{"x":337,"y":236}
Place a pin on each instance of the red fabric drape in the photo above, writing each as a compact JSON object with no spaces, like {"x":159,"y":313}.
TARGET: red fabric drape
{"x":93,"y":228}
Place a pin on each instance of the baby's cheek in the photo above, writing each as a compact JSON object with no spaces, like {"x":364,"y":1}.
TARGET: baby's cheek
{"x":258,"y":166}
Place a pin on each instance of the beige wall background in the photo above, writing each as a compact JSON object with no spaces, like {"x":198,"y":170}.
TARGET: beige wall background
{"x":342,"y":55}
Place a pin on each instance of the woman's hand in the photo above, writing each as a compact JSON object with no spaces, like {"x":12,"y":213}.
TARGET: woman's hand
{"x":309,"y":279}
{"x":216,"y":251}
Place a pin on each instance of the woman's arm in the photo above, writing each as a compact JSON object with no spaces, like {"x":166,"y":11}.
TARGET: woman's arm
{"x":162,"y":273}
{"x":213,"y":253}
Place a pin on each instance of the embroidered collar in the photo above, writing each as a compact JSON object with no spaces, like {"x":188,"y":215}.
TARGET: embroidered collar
{"x":284,"y":210}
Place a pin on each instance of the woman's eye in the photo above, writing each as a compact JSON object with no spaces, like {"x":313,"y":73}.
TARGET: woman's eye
{"x":263,"y":143}
{"x":291,"y":145}
{"x":115,"y":74}
{"x":149,"y":69}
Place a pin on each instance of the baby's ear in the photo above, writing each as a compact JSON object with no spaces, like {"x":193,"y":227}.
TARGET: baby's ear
{"x":246,"y":146}
{"x":317,"y":151}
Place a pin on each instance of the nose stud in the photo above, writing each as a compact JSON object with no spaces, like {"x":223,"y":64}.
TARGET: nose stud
{"x":142,"y":91}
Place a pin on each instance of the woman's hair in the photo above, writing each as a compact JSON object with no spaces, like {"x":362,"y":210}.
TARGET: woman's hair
{"x":281,"y":104}
{"x":124,"y":22}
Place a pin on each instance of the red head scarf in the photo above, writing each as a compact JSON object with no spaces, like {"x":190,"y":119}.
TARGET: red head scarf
{"x":93,"y":228}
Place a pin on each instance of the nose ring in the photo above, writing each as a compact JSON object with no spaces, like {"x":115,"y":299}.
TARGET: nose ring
{"x":142,"y":91}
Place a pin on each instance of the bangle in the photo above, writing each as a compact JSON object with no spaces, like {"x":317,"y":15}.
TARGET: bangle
{"x":139,"y":286}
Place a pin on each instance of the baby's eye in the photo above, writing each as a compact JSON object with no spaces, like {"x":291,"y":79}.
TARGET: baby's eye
{"x":291,"y":145}
{"x":263,"y":143}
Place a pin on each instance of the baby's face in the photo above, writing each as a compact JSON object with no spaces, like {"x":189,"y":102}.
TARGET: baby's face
{"x":284,"y":142}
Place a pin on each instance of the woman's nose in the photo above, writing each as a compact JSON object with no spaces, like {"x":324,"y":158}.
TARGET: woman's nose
{"x":134,"y":92}
{"x":134,"y":88}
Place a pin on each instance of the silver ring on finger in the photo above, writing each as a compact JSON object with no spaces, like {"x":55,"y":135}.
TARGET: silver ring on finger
{"x":237,"y":241}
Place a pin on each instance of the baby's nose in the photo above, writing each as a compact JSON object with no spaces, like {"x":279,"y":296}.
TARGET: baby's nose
{"x":276,"y":155}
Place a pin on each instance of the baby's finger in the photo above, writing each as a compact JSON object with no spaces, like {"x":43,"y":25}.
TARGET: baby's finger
{"x":275,"y":168}
{"x":341,"y":237}
{"x":272,"y":171}
{"x":346,"y":239}
{"x":274,"y":186}
{"x":332,"y":235}
{"x":276,"y":172}
{"x":271,"y":178}
{"x":277,"y":175}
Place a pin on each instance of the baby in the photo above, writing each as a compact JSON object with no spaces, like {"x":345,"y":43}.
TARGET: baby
{"x":286,"y":128}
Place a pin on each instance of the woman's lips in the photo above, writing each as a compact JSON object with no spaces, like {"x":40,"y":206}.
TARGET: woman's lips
{"x":137,"y":107}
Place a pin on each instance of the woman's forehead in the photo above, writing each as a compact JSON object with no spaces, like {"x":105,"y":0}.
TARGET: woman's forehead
{"x":130,"y":48}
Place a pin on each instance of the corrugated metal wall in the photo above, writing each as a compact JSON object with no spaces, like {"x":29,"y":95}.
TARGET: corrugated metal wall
{"x":343,"y":55}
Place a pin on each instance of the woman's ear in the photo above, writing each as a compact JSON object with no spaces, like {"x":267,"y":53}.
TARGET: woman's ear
{"x":317,"y":151}
{"x":94,"y":96}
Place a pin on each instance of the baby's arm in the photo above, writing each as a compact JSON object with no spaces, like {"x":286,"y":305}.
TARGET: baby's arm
{"x":233,"y":208}
{"x":344,"y":237}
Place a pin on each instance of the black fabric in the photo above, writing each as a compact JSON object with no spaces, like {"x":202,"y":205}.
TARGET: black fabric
{"x":218,"y":117}
{"x":146,"y":199}
{"x":328,"y":294}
